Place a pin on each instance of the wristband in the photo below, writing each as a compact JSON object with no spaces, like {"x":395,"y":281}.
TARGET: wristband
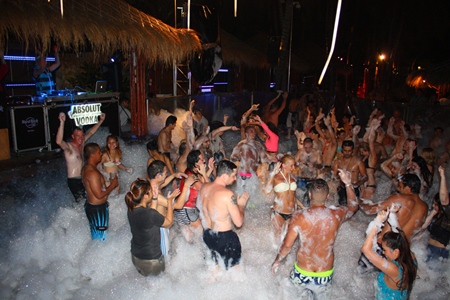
{"x":154,"y":199}
{"x":349,"y":184}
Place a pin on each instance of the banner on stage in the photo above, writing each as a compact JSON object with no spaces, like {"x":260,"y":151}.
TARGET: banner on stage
{"x":85,"y":114}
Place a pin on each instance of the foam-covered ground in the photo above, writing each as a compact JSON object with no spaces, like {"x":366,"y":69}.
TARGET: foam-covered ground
{"x":47,"y":252}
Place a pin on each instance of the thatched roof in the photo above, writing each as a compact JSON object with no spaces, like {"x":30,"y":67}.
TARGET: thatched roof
{"x":237,"y":52}
{"x":103,"y":25}
{"x":435,"y":77}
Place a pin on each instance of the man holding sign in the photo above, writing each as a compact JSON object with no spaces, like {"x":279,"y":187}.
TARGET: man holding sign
{"x":73,"y":153}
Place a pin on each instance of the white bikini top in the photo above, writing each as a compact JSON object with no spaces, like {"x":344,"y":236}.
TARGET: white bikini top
{"x":285,"y":186}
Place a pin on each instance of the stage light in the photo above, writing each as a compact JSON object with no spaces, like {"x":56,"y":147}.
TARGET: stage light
{"x":117,"y":57}
{"x":25,"y":58}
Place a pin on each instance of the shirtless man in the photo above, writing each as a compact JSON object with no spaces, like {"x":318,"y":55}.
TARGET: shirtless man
{"x":220,"y":209}
{"x":308,"y":158}
{"x":317,"y":228}
{"x":152,"y":149}
{"x":353,"y":164}
{"x":165,"y":136}
{"x":250,"y":153}
{"x":73,"y":153}
{"x":411,"y":215}
{"x":330,"y":142}
{"x":96,"y":206}
{"x":413,"y":210}
{"x":271,"y":112}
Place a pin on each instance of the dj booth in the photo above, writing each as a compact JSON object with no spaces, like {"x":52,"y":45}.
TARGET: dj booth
{"x":35,"y":121}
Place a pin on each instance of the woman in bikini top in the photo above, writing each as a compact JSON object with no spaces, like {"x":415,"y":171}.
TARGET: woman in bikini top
{"x":112,"y":159}
{"x":284,"y":186}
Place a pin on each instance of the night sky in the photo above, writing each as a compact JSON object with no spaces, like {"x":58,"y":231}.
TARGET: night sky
{"x":410,"y":33}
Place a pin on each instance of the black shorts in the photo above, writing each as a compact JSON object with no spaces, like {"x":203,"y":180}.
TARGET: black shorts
{"x":76,"y":186}
{"x":342,"y":193}
{"x":226,"y":244}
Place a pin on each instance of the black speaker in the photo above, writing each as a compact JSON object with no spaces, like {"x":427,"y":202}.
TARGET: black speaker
{"x":112,"y":73}
{"x":28,"y":127}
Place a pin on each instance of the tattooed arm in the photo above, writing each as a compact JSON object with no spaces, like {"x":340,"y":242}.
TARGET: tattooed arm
{"x":236,"y":207}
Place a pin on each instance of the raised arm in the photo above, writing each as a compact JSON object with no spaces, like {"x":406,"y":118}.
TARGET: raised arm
{"x":60,"y":134}
{"x":387,"y":267}
{"x":94,"y":128}
{"x":273,"y":101}
{"x":443,"y":191}
{"x":283,"y":104}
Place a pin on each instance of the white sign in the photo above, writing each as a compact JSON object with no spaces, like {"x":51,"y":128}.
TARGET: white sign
{"x":85,"y":114}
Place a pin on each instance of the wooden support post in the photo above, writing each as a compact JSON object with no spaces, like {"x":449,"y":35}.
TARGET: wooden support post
{"x":138,"y":95}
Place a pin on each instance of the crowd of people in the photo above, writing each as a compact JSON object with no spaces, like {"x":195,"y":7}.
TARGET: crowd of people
{"x":336,"y":167}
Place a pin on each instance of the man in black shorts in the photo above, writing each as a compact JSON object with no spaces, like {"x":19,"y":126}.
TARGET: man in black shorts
{"x":220,"y":209}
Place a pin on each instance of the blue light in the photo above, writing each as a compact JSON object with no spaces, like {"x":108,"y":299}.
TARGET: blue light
{"x":25,"y":58}
{"x":223,"y":70}
{"x":19,"y":84}
{"x":220,"y":83}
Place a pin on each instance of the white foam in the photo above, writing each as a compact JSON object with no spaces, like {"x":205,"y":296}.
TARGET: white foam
{"x":47,"y":252}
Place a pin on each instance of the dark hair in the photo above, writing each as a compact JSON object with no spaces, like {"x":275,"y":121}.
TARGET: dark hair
{"x":273,"y":128}
{"x":123,"y":99}
{"x":155,"y":168}
{"x":152,"y":145}
{"x":225,"y":167}
{"x":307,"y":140}
{"x":313,"y":130}
{"x":405,"y":258}
{"x":248,"y":128}
{"x":171,"y":120}
{"x":319,"y":186}
{"x":424,"y":171}
{"x":348,"y":143}
{"x":439,"y":128}
{"x":182,"y":148}
{"x":138,"y":189}
{"x":78,"y":128}
{"x":192,"y":159}
{"x":440,"y":211}
{"x":106,"y":150}
{"x":215,"y":125}
{"x":196,"y":109}
{"x":412,"y":181}
{"x":90,"y":149}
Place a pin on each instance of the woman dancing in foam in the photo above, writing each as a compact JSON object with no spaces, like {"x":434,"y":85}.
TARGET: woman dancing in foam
{"x":396,"y":262}
{"x":284,"y":187}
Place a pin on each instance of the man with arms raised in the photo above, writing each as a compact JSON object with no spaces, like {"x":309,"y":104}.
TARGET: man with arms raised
{"x":73,"y":153}
{"x":220,"y":209}
{"x":96,"y":206}
{"x":317,"y":228}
